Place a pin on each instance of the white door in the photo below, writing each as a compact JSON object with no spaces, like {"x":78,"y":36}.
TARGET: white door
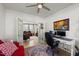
{"x":41,"y":33}
{"x":19,"y":30}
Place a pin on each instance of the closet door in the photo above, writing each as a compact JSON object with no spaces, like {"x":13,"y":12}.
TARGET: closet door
{"x":19,"y":29}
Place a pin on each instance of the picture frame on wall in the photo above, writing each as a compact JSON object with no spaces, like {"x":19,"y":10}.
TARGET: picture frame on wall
{"x":61,"y":24}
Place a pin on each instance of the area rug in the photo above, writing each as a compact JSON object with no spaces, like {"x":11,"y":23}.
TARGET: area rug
{"x":39,"y":50}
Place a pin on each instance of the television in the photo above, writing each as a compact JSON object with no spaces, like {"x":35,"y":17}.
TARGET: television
{"x":60,"y":33}
{"x":61,"y":24}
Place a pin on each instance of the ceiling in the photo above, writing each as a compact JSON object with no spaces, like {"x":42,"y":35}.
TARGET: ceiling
{"x":55,"y":7}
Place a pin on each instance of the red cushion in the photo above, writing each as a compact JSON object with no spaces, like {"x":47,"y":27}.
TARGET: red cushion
{"x":16,"y":43}
{"x":19,"y":52}
{"x":8,"y":48}
{"x":1,"y":42}
{"x":1,"y":54}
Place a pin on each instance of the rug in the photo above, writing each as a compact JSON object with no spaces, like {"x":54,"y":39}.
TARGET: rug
{"x":40,"y":50}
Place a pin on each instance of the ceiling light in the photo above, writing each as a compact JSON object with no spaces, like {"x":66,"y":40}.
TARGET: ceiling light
{"x":39,"y":6}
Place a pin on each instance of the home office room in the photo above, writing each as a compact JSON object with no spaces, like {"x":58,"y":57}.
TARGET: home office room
{"x":39,"y":29}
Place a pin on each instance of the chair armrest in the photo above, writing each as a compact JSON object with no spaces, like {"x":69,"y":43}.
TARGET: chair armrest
{"x":56,"y":43}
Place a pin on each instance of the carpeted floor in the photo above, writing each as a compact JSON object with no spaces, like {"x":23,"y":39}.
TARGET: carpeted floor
{"x":37,"y":51}
{"x":60,"y":51}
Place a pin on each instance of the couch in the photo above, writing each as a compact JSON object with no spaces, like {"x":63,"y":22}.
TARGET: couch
{"x":18,"y":52}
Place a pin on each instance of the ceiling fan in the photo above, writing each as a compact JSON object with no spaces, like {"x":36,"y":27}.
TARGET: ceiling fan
{"x":39,"y":6}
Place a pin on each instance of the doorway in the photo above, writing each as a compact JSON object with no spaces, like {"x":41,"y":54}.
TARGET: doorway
{"x":29,"y":29}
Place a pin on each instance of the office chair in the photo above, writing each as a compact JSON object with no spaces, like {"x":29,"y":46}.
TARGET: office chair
{"x":51,"y":42}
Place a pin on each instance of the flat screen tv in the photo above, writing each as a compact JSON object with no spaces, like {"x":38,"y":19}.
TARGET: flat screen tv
{"x":61,"y":33}
{"x":61,"y":24}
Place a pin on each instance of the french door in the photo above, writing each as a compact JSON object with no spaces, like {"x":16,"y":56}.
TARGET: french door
{"x":19,"y":30}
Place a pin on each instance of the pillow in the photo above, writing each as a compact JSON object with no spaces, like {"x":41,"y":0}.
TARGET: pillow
{"x":1,"y":42}
{"x":1,"y":54}
{"x":8,"y":48}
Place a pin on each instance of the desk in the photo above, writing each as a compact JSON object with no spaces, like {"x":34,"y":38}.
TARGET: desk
{"x":66,"y":44}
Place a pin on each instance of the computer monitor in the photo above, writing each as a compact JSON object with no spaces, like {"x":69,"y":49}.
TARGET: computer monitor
{"x":60,"y":33}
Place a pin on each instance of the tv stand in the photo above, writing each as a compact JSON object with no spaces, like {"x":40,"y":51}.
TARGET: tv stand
{"x":66,"y":44}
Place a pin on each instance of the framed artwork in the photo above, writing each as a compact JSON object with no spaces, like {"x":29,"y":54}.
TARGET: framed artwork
{"x":61,"y":24}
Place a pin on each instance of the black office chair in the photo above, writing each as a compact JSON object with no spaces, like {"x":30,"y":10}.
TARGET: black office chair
{"x":51,"y":42}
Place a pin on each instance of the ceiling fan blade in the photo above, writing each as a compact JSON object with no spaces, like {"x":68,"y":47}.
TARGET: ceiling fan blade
{"x":38,"y":10}
{"x":31,"y":5}
{"x":46,"y":8}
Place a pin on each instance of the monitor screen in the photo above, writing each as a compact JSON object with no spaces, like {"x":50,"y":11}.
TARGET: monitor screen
{"x":61,"y":33}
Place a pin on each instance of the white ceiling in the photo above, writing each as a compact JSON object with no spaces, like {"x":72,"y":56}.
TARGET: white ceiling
{"x":55,"y":7}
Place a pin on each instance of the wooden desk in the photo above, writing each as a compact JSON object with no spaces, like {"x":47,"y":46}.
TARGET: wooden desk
{"x":66,"y":44}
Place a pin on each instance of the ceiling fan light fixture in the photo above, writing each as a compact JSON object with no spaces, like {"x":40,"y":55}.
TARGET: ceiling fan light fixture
{"x":40,"y":6}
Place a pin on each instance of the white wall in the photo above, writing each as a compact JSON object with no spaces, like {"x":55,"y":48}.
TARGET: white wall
{"x":2,"y":22}
{"x":71,"y":12}
{"x":10,"y":30}
{"x":8,"y":20}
